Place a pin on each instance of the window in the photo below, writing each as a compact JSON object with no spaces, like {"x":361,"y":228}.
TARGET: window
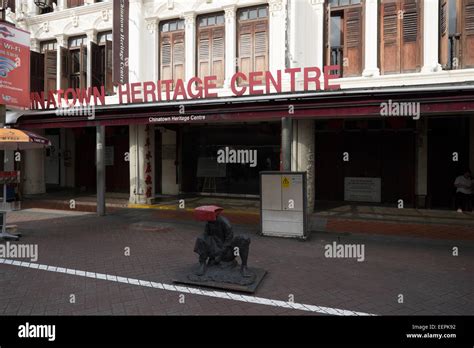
{"x":400,"y":36}
{"x":252,"y":39}
{"x":101,"y":54}
{"x":4,"y":4}
{"x":74,"y":63}
{"x":172,"y":50}
{"x":49,"y":51}
{"x":456,"y":29}
{"x":344,"y":41}
{"x":211,"y":47}
{"x":74,"y":3}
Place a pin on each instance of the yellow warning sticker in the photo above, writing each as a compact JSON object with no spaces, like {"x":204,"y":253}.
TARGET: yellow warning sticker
{"x":285,"y":182}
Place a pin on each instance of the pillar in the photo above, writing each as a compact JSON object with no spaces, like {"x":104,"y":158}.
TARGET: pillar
{"x":91,"y":37}
{"x":100,"y":169}
{"x":421,"y":169}
{"x":33,"y":176}
{"x":303,"y":154}
{"x":136,"y":45}
{"x":371,"y":39}
{"x":286,"y":142}
{"x":190,"y":44}
{"x":231,"y":44}
{"x":430,"y":37}
{"x":62,"y":42}
{"x":141,"y":157}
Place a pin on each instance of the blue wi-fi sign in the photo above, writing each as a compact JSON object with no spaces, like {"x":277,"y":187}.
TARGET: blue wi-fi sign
{"x":6,"y":65}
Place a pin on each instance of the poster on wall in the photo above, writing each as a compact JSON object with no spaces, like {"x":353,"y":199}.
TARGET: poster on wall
{"x":120,"y":41}
{"x":357,"y":189}
{"x":14,"y":66}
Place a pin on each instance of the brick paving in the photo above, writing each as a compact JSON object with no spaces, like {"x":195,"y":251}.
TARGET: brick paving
{"x":431,"y":280}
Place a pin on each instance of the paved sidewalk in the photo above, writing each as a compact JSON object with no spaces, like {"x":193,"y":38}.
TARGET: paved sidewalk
{"x":425,"y":272}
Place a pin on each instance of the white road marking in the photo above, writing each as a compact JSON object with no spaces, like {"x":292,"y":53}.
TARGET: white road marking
{"x":216,"y":294}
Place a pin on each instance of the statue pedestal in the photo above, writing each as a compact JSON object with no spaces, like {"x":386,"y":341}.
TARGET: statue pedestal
{"x":225,"y":276}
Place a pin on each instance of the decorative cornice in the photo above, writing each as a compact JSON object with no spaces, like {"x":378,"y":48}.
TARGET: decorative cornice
{"x":229,"y":12}
{"x":151,"y":25}
{"x":189,"y":18}
{"x":275,"y":6}
{"x":67,"y":13}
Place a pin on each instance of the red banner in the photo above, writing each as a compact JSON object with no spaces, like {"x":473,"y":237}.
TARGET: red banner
{"x":14,"y":66}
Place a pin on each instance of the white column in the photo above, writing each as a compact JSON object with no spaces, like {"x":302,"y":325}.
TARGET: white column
{"x":136,"y":59}
{"x":190,"y":44}
{"x":421,"y":170}
{"x":34,"y":45}
{"x":230,"y":44}
{"x":91,"y":37}
{"x":277,"y":35}
{"x":137,"y":164}
{"x":319,"y":34}
{"x":32,"y":8}
{"x":61,"y":5}
{"x":153,"y":48}
{"x":62,"y":42}
{"x":430,"y":37}
{"x":304,"y":147}
{"x":33,"y":177}
{"x":371,"y":40}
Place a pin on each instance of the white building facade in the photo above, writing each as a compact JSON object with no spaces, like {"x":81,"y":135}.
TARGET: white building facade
{"x":396,"y":47}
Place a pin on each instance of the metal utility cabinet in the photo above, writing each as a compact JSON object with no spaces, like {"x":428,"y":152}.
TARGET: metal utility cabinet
{"x":283,"y":204}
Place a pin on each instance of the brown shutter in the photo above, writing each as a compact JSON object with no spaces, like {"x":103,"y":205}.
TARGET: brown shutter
{"x":410,"y":40}
{"x":443,"y":33}
{"x":353,"y":42}
{"x":178,"y":56}
{"x":467,"y":34}
{"x":204,"y":53}
{"x":260,"y":53}
{"x":65,"y":67}
{"x":50,"y":71}
{"x":97,"y":65}
{"x":245,"y":49}
{"x":36,"y":72}
{"x":218,"y":54}
{"x":83,"y":67}
{"x":165,"y":58}
{"x":108,"y":61}
{"x":390,"y":38}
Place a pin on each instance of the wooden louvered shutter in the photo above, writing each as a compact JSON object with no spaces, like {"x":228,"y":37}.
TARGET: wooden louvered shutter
{"x":390,"y":38}
{"x":178,"y":56}
{"x":410,"y":39}
{"x":328,"y":35}
{"x":467,"y":34}
{"x":353,"y":42}
{"x":204,"y":53}
{"x":165,"y":59}
{"x":65,"y":66}
{"x":96,"y":66}
{"x":37,"y":74}
{"x":50,"y":71}
{"x":260,"y":52}
{"x":218,"y":54}
{"x":443,"y":33}
{"x":83,"y":66}
{"x":245,"y":49}
{"x":108,"y":61}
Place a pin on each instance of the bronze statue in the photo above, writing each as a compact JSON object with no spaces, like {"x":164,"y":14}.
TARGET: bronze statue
{"x":219,"y":245}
